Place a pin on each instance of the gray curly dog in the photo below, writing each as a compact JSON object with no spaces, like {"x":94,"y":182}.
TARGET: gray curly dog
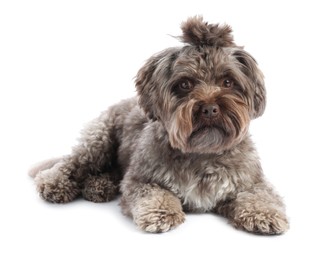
{"x":182,"y":145}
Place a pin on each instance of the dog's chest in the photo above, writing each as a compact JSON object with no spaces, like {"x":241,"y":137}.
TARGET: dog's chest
{"x":201,"y":184}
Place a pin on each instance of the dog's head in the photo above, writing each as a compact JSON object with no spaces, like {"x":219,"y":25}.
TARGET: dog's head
{"x":204,"y":93}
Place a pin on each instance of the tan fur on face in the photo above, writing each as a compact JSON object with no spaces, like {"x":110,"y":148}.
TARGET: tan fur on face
{"x":235,"y":118}
{"x":181,"y":125}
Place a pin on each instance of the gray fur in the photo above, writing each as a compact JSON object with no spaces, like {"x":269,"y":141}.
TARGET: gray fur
{"x":167,"y":153}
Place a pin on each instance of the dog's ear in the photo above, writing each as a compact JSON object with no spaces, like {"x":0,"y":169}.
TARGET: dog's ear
{"x":249,"y":67}
{"x":143,"y":83}
{"x":199,"y":33}
{"x":150,"y":79}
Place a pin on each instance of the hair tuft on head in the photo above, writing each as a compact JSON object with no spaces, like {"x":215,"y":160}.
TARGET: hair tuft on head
{"x":199,"y":33}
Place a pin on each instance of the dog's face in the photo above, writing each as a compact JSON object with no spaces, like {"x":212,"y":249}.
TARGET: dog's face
{"x":204,"y":93}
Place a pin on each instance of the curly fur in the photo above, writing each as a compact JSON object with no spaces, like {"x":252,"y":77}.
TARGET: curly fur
{"x":182,"y":145}
{"x":199,"y":33}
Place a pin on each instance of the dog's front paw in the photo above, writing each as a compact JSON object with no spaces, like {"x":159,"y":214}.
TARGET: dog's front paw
{"x":159,"y":221}
{"x":160,"y":212}
{"x":54,"y":186}
{"x":268,"y":222}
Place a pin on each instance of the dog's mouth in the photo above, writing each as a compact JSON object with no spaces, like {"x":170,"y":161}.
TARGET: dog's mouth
{"x":208,"y":130}
{"x":209,"y":136}
{"x":207,"y":125}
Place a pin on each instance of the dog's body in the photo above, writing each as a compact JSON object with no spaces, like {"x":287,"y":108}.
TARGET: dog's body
{"x":182,"y":144}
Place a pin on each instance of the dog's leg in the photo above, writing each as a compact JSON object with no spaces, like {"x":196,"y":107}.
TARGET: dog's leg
{"x":152,"y":208}
{"x":258,"y":210}
{"x":41,"y":166}
{"x":82,"y":171}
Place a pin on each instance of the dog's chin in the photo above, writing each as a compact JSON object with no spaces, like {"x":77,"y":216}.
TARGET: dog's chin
{"x":209,"y":139}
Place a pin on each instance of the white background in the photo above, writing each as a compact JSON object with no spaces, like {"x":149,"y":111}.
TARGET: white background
{"x":63,"y":62}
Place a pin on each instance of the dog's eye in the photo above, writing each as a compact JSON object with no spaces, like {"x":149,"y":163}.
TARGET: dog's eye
{"x":185,"y":85}
{"x":228,"y":83}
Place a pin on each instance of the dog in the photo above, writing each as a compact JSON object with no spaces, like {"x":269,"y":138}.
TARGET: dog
{"x":182,"y":145}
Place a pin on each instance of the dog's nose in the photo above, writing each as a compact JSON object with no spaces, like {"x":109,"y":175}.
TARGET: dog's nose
{"x":210,"y":110}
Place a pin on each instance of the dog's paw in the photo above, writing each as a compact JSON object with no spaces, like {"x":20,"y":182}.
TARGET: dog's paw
{"x":99,"y":188}
{"x":159,"y":221}
{"x":160,"y":212}
{"x":268,"y":222}
{"x":55,"y":187}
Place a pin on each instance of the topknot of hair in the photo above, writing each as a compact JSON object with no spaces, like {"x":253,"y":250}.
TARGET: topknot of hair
{"x":199,"y":33}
